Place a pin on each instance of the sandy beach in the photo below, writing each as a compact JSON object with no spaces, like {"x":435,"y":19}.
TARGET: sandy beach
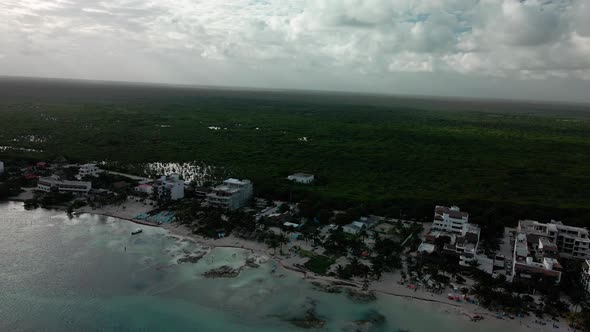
{"x":387,"y":285}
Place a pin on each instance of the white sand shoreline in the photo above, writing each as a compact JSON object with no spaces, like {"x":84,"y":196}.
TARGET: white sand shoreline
{"x":386,"y":286}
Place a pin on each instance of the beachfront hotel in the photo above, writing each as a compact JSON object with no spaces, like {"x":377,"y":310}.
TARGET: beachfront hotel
{"x":450,"y":219}
{"x":54,"y":182}
{"x":538,"y":246}
{"x":451,"y":226}
{"x":535,"y":262}
{"x":570,"y":242}
{"x":231,"y":195}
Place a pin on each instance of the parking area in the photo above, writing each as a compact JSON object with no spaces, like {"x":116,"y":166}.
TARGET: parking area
{"x":505,"y":252}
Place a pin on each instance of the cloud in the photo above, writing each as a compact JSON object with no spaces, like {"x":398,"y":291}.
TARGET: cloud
{"x":198,"y":40}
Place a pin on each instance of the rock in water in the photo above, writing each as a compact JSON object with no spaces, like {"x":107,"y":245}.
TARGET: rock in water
{"x":190,"y":258}
{"x":373,"y":317}
{"x":327,"y":288}
{"x":251,"y":262}
{"x":310,"y":319}
{"x":361,"y":296}
{"x":371,"y":321}
{"x":223,"y":272}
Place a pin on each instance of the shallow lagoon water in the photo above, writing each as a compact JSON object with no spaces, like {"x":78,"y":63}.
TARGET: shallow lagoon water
{"x":87,"y":273}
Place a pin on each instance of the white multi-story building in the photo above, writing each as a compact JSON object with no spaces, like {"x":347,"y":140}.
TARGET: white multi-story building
{"x":231,"y":195}
{"x":462,"y":237}
{"x":586,"y":275}
{"x":528,"y":264}
{"x":169,"y":188}
{"x":301,"y":178}
{"x":467,"y":244}
{"x":451,"y":220}
{"x":88,"y":170}
{"x":571,"y":242}
{"x":54,"y":182}
{"x":1,"y":167}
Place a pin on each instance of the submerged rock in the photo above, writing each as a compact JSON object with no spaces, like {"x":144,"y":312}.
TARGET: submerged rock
{"x":371,"y":321}
{"x":223,"y":272}
{"x":309,"y":321}
{"x":191,"y":258}
{"x":310,"y":318}
{"x":372,"y":317}
{"x":326,"y":288}
{"x":251,"y":262}
{"x":361,"y":296}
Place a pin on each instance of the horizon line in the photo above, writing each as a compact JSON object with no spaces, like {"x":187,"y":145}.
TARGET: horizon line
{"x":187,"y":86}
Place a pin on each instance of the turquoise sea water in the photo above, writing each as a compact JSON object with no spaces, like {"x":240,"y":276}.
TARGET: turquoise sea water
{"x":87,"y":273}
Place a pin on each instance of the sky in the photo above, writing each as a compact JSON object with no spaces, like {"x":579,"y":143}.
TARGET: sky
{"x":512,"y":49}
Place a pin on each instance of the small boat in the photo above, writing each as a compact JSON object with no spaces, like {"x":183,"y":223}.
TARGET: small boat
{"x":137,"y":231}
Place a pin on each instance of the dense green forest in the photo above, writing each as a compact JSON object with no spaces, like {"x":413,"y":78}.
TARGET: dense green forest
{"x":380,"y":157}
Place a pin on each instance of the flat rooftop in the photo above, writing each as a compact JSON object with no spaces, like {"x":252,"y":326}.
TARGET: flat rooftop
{"x":66,"y":182}
{"x":426,"y":247}
{"x":302,"y":175}
{"x":521,"y":249}
{"x":226,"y":189}
{"x":535,"y":268}
{"x":546,"y":244}
{"x":236,"y":181}
{"x":532,"y":226}
{"x":452,"y":212}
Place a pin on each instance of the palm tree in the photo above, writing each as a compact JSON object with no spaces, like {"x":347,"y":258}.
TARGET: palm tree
{"x":339,"y":270}
{"x":363,"y":234}
{"x":315,"y":236}
{"x":473,"y":263}
{"x":305,"y":236}
{"x":274,"y":244}
{"x":282,"y":239}
{"x":376,"y":237}
{"x":377,"y":269}
{"x":451,"y":269}
{"x":482,"y":293}
{"x":578,"y":299}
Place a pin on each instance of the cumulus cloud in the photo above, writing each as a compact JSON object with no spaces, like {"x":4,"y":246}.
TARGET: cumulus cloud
{"x":220,"y":42}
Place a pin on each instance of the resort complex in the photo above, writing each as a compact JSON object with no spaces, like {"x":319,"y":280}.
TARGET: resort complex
{"x":535,"y":262}
{"x":568,"y":241}
{"x":536,"y":247}
{"x":451,"y":228}
{"x":55,"y":183}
